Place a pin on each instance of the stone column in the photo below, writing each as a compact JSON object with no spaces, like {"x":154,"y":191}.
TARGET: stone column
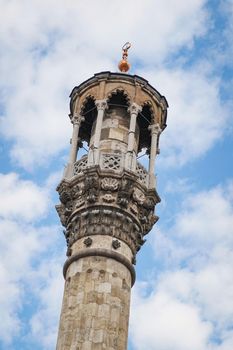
{"x":130,"y":160}
{"x":76,"y":121}
{"x":155,"y":131}
{"x":94,"y":155}
{"x":106,"y":211}
{"x":95,"y":310}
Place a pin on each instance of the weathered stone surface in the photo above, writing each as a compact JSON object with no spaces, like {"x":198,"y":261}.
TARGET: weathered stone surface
{"x":95,"y":305}
{"x":107,"y":206}
{"x":103,"y":241}
{"x":115,"y":205}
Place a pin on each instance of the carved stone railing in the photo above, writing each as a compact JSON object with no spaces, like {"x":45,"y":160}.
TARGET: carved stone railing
{"x":142,"y":174}
{"x":80,"y":165}
{"x":114,"y":162}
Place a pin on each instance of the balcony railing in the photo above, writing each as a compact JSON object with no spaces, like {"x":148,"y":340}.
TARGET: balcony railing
{"x":113,"y":162}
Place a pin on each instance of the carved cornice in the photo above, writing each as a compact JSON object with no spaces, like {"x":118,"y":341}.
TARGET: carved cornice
{"x":101,"y":104}
{"x":104,"y":253}
{"x":155,"y":129}
{"x":101,"y":203}
{"x":134,"y":108}
{"x":76,"y":119}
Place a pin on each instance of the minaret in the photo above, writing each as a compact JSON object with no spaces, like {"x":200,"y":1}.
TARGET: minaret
{"x":107,"y":204}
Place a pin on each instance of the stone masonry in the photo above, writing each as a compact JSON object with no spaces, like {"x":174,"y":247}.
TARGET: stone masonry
{"x":107,"y":205}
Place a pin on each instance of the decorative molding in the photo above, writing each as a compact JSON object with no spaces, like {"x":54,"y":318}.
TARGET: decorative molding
{"x":138,"y":196}
{"x":134,"y":108}
{"x":116,"y":244}
{"x":111,"y":162}
{"x":88,"y":241}
{"x":109,"y":198}
{"x":142,"y":174}
{"x":119,"y":89}
{"x":109,"y":184}
{"x":80,"y":166}
{"x":76,"y":119}
{"x":101,"y":104}
{"x":104,"y":253}
{"x":116,"y":205}
{"x":155,"y":129}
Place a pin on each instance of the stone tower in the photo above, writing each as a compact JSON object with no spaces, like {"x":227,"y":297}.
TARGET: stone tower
{"x":107,"y":205}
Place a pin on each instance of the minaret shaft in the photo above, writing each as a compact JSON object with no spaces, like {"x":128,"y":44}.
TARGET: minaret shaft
{"x":96,"y":302}
{"x":107,"y":206}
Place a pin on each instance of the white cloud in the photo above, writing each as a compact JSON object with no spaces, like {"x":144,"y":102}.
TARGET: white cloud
{"x":207,"y":218}
{"x":49,"y":54}
{"x":166,"y":323}
{"x":22,"y":246}
{"x":173,"y":24}
{"x":22,"y":199}
{"x":10,"y":300}
{"x":47,"y":48}
{"x":179,"y":186}
{"x":48,"y":285}
{"x":190,"y":305}
{"x":196,"y":116}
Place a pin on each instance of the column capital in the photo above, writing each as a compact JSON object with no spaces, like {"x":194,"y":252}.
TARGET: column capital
{"x":155,"y":129}
{"x":76,"y":119}
{"x":134,"y":108}
{"x":101,"y":104}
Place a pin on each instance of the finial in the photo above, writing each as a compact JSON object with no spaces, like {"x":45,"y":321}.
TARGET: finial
{"x":123,"y":65}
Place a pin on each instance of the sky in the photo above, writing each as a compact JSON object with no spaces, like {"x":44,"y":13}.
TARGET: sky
{"x":183,"y":297}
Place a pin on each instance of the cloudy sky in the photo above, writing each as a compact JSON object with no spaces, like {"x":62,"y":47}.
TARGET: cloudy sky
{"x":183,"y":298}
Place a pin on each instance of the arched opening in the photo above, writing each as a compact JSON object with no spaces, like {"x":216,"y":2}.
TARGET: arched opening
{"x":115,"y":126}
{"x":144,"y":121}
{"x":89,"y":112}
{"x":118,"y":99}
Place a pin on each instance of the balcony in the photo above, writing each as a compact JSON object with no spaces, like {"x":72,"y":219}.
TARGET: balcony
{"x":113,"y":162}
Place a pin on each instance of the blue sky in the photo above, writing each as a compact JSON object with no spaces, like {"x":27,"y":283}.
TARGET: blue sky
{"x":183,"y":297}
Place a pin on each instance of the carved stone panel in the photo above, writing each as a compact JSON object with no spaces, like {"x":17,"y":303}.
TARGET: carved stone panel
{"x":109,"y":184}
{"x":118,"y":206}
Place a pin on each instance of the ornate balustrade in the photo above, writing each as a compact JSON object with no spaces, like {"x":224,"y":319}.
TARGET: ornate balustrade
{"x":142,"y":174}
{"x":113,"y":162}
{"x":80,"y":165}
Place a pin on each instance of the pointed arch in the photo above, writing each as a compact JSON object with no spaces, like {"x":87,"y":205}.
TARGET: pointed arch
{"x":87,"y":104}
{"x":144,"y":120}
{"x":148,"y":107}
{"x":118,"y":96}
{"x":89,"y":111}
